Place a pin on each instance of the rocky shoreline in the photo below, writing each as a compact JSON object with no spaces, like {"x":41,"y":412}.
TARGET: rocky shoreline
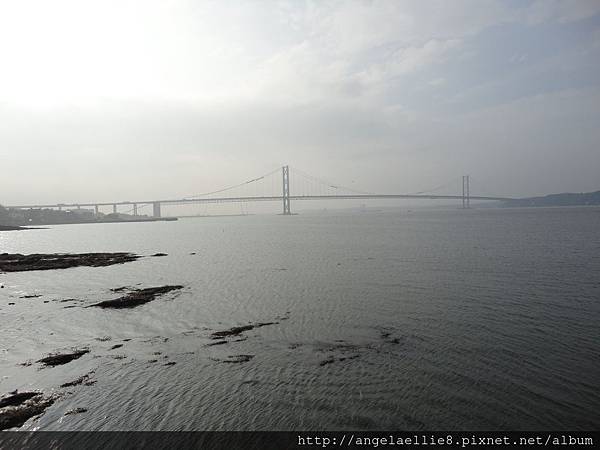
{"x":136,"y":297}
{"x":16,"y":262}
{"x":224,"y":345}
{"x":16,"y":408}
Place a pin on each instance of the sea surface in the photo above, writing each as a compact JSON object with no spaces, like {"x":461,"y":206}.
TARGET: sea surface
{"x":484,"y":319}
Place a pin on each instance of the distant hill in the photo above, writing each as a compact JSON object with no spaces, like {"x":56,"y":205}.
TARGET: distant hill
{"x":566,"y":199}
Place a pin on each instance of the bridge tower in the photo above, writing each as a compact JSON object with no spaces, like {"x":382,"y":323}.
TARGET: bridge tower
{"x":466,"y":196}
{"x":156,"y":209}
{"x":285,"y":170}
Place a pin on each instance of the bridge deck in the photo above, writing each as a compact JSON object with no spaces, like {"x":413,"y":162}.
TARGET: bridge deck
{"x":184,"y":201}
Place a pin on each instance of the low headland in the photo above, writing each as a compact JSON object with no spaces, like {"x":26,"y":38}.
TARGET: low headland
{"x":22,"y":219}
{"x":565,"y":199}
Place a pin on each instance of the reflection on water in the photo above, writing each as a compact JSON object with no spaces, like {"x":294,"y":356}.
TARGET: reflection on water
{"x":480,"y":319}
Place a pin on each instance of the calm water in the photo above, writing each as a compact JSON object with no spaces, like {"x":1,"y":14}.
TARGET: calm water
{"x":480,"y":319}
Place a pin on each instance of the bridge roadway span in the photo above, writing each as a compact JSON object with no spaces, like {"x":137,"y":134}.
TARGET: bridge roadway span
{"x":184,"y":201}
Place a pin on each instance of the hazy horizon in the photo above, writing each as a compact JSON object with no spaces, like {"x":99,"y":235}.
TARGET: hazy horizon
{"x":107,"y":101}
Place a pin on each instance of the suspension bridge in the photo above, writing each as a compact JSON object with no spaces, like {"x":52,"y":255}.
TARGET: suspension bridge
{"x":275,"y":186}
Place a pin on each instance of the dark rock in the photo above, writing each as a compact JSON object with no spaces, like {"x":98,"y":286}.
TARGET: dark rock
{"x":341,"y":350}
{"x":59,"y":359}
{"x":16,"y":414}
{"x":30,"y":296}
{"x":236,"y":331}
{"x":238,"y":359}
{"x":16,"y":398}
{"x":75,"y":411}
{"x":11,"y":303}
{"x":121,"y":289}
{"x":160,"y":254}
{"x":116,"y":346}
{"x":216,"y":343}
{"x":137,"y":297}
{"x":329,"y":360}
{"x":170,"y":363}
{"x":13,"y":228}
{"x":19,"y":263}
{"x":84,"y":379}
{"x":388,"y":338}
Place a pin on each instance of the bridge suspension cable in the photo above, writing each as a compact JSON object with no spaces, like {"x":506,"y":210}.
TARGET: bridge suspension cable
{"x":437,"y":188}
{"x":229,"y":188}
{"x":325,"y":183}
{"x":482,"y":189}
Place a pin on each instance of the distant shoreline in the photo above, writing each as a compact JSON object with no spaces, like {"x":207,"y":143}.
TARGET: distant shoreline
{"x":564,"y":199}
{"x":41,"y":226}
{"x":154,"y":219}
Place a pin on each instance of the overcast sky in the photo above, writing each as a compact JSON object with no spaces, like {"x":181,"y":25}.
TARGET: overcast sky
{"x":122,"y":100}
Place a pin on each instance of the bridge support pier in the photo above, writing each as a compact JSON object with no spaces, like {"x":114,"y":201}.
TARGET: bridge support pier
{"x":466,"y":197}
{"x":156,"y":209}
{"x":115,"y":208}
{"x":96,"y":208}
{"x":135,"y":209}
{"x":285,"y":170}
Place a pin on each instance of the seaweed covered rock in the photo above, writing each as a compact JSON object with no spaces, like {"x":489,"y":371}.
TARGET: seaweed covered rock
{"x":236,"y":331}
{"x":16,"y":262}
{"x":58,"y":359}
{"x":16,"y":408}
{"x":137,"y":297}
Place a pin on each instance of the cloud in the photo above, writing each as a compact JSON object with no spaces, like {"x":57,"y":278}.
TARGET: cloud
{"x":561,"y":10}
{"x":406,"y":60}
{"x":181,"y":97}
